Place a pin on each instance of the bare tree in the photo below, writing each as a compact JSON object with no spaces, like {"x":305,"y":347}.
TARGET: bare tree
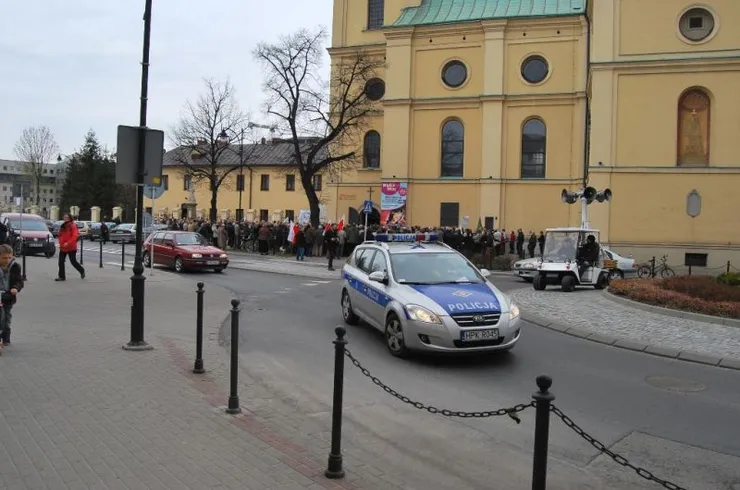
{"x":35,"y":148}
{"x":324,"y":120}
{"x":203,"y":138}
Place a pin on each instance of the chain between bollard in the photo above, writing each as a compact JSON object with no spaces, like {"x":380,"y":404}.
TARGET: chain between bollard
{"x":618,"y":458}
{"x":511,"y":412}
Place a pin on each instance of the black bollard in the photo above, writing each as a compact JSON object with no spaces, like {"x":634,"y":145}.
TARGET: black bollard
{"x":198,"y":368}
{"x":123,"y":255}
{"x":101,"y":253}
{"x":652,"y":267}
{"x":82,"y":252}
{"x":543,"y":398}
{"x":334,"y":469}
{"x":727,"y":270}
{"x":23,"y":253}
{"x":233,"y":406}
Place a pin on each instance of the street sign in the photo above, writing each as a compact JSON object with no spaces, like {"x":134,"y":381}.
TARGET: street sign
{"x":367,"y":207}
{"x":152,"y":191}
{"x":127,"y":155}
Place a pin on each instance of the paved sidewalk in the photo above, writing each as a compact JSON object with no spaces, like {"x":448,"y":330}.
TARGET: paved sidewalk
{"x":592,"y":315}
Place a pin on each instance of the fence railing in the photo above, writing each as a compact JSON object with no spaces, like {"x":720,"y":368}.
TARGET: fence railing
{"x":542,"y":402}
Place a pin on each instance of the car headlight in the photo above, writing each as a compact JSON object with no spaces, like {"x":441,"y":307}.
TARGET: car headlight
{"x":513,"y":311}
{"x":529,"y":266}
{"x":224,"y":256}
{"x":421,"y":314}
{"x":197,"y":256}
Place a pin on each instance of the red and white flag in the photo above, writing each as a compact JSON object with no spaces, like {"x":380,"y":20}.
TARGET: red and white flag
{"x":294,"y":230}
{"x":291,"y":233}
{"x":327,"y":227}
{"x":340,"y":226}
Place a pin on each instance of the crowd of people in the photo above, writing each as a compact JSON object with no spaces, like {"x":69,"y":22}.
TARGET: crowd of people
{"x":339,"y":240}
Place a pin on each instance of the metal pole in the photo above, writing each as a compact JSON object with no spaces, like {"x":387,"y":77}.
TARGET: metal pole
{"x":23,"y":252}
{"x":727,"y":271}
{"x":584,"y":214}
{"x":101,"y":250}
{"x":20,"y":236}
{"x":233,"y":405}
{"x":151,"y":244}
{"x":241,"y":174}
{"x":652,"y":267}
{"x":364,"y":239}
{"x":543,"y":398}
{"x":137,"y":341}
{"x":123,"y":255}
{"x":198,"y":368}
{"x":334,"y":469}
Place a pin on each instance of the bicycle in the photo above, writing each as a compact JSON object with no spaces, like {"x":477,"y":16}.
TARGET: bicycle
{"x":650,"y":271}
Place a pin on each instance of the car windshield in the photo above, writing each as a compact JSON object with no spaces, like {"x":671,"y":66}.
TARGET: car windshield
{"x":433,"y":268}
{"x":560,"y":246}
{"x":189,"y":239}
{"x":28,"y":225}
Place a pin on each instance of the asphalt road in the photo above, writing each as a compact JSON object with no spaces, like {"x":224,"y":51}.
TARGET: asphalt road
{"x":678,"y":419}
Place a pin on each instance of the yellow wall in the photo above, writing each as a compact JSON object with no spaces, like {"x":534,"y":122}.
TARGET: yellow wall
{"x":637,"y":81}
{"x":274,"y":200}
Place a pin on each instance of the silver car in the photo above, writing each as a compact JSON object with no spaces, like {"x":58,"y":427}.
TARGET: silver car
{"x":425,"y":296}
{"x":626,"y":266}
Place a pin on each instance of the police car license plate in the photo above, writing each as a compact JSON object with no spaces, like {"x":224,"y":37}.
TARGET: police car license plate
{"x":35,"y":244}
{"x":212,"y":262}
{"x":476,"y":335}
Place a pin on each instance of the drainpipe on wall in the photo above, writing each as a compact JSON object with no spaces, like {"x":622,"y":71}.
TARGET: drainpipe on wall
{"x":587,"y":116}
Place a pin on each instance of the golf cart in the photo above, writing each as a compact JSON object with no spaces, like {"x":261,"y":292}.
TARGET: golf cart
{"x":562,"y":263}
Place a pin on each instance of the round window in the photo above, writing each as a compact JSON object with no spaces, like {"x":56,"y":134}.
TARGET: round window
{"x":696,"y":24}
{"x":375,"y":89}
{"x":535,"y":69}
{"x":454,"y":74}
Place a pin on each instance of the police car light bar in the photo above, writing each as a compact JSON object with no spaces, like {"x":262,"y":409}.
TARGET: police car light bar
{"x":407,"y":237}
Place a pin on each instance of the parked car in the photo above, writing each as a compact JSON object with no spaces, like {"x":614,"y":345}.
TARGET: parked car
{"x":183,"y":250}
{"x":626,"y":267}
{"x":93,"y":233}
{"x":55,"y":225}
{"x":28,"y":234}
{"x":126,"y":232}
{"x":83,"y":227}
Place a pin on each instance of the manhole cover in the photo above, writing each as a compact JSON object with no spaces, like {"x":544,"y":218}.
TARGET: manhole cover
{"x":675,"y":384}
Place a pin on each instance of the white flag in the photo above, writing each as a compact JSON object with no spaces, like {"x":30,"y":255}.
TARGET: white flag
{"x":291,"y":233}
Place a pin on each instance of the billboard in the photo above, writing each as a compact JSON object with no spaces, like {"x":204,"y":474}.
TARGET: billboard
{"x":393,"y":197}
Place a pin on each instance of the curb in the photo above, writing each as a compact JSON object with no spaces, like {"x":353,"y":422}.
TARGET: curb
{"x":655,"y":350}
{"x":659,"y":310}
{"x":312,"y":274}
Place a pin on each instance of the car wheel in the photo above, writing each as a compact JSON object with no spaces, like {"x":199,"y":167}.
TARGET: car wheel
{"x":394,"y":336}
{"x":146,"y":259}
{"x":50,"y":254}
{"x":179,"y":266}
{"x":538,"y":283}
{"x":568,"y":283}
{"x":615,"y":274}
{"x":350,"y":318}
{"x":602,"y":282}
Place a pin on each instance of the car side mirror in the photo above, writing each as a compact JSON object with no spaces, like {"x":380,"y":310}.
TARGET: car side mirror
{"x":485,"y":273}
{"x":379,"y":276}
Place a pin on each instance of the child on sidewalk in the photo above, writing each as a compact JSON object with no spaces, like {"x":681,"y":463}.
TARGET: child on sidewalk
{"x":11,"y":282}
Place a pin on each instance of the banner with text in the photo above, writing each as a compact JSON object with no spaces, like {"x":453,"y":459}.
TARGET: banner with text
{"x":393,"y":203}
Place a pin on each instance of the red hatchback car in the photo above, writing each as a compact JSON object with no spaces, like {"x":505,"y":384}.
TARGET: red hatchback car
{"x":183,"y":250}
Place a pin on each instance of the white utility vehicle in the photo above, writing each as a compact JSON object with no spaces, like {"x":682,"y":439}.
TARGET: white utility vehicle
{"x":563,"y":263}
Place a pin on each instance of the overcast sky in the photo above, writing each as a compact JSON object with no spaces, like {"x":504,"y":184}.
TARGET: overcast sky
{"x":74,"y":65}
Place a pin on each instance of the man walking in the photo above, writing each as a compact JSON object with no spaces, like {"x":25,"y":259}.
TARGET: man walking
{"x":68,"y":237}
{"x":331,"y":242}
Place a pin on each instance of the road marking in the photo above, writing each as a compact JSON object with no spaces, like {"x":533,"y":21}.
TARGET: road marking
{"x":309,"y":284}
{"x":322,"y":282}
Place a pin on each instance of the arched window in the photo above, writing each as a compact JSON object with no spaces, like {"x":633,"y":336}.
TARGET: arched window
{"x":371,"y":150}
{"x":375,"y":14}
{"x":453,"y":148}
{"x":534,"y":149}
{"x":693,"y":128}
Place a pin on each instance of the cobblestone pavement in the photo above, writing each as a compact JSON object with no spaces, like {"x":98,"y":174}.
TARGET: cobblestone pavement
{"x":590,"y":311}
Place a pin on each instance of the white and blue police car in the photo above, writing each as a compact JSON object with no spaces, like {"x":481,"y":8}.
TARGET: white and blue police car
{"x":425,"y":296}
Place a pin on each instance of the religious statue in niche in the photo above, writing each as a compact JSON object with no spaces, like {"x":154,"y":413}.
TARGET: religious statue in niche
{"x":693,"y":129}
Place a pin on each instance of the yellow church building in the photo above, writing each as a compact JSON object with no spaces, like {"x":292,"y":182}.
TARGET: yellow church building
{"x":489,"y":108}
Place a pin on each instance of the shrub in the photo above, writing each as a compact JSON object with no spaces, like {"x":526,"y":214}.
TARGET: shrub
{"x":503,"y":262}
{"x":701,"y":287}
{"x":654,"y":292}
{"x":729,"y":278}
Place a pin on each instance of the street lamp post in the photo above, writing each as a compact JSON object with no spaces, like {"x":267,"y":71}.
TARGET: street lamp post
{"x":240,"y":182}
{"x":137,"y":341}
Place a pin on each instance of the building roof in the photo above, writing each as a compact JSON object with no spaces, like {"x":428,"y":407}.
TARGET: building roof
{"x":278,"y":152}
{"x":451,"y":11}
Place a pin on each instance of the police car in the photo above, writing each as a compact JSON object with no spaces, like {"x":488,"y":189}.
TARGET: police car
{"x":425,"y":296}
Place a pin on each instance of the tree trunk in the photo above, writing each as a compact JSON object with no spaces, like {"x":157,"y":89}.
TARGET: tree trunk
{"x":313,"y":201}
{"x":214,"y":205}
{"x":38,"y":191}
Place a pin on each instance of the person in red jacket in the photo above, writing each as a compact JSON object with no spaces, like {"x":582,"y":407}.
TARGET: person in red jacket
{"x":68,"y":236}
